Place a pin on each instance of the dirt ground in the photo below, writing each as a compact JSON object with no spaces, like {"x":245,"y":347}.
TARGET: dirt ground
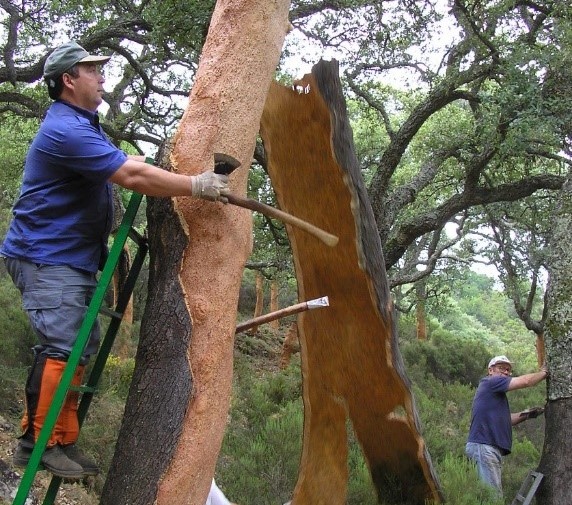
{"x":69,"y":493}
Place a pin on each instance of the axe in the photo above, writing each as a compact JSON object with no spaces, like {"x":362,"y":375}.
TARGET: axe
{"x":225,"y":164}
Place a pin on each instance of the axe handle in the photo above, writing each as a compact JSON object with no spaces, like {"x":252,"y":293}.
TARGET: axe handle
{"x":249,"y":203}
{"x":272,"y":316}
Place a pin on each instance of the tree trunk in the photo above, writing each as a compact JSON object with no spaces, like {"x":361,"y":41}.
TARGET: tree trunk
{"x":351,"y":364}
{"x":119,"y":279}
{"x":274,"y":303}
{"x":259,"y":307}
{"x":178,"y":402}
{"x":290,"y":346}
{"x":122,"y":346}
{"x":421,"y":316}
{"x":555,"y":463}
{"x":540,"y":350}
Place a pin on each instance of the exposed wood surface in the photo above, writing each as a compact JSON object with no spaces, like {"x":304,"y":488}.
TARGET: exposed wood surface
{"x":237,"y":65}
{"x":351,"y":364}
{"x":178,"y":403}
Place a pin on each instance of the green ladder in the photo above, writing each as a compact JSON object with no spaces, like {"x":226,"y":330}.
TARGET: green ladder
{"x":124,"y":232}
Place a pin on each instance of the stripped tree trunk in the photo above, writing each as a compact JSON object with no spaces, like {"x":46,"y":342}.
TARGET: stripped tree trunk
{"x":259,"y":307}
{"x":290,"y":346}
{"x":177,"y":407}
{"x":275,"y":325}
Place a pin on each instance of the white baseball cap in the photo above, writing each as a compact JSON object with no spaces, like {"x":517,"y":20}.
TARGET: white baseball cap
{"x":499,"y":359}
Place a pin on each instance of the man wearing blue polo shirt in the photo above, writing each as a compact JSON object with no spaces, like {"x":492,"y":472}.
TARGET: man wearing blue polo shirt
{"x":490,"y":435}
{"x":57,"y":239}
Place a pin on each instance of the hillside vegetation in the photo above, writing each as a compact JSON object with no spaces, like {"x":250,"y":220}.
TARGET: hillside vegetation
{"x":259,"y":460}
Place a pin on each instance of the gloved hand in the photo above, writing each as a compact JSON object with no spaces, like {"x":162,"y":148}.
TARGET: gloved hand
{"x":533,"y":412}
{"x":210,"y":186}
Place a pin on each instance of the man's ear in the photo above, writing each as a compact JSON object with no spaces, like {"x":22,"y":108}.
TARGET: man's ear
{"x":67,"y":80}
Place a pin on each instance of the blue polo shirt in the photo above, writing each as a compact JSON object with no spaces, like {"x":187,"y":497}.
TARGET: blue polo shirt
{"x":64,"y":213}
{"x":491,"y":420}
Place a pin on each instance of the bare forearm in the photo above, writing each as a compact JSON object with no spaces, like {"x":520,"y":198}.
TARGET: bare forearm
{"x":150,"y":180}
{"x":517,"y":418}
{"x":528,"y":380}
{"x":533,"y":379}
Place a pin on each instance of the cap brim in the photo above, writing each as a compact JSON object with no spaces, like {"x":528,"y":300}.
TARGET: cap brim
{"x":95,"y":59}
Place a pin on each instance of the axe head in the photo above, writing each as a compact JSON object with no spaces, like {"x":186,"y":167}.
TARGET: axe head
{"x":225,"y":163}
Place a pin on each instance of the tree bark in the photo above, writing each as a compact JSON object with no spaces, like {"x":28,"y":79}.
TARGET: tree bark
{"x":177,"y":407}
{"x":555,"y":463}
{"x":259,"y":307}
{"x":351,"y":364}
{"x":275,"y":325}
{"x":540,"y":350}
{"x":421,"y":316}
{"x":290,"y":346}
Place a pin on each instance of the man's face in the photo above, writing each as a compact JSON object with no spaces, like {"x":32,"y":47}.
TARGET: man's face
{"x":501,"y":369}
{"x":87,"y":88}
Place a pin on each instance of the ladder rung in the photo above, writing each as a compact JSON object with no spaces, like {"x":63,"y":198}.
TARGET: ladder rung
{"x":137,"y":237}
{"x":528,"y":489}
{"x":84,"y":388}
{"x":106,"y":311}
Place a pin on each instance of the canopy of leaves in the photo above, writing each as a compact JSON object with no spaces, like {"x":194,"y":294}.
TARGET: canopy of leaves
{"x":457,"y":106}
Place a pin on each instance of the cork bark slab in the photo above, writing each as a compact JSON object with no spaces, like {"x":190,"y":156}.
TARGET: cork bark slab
{"x":351,"y":364}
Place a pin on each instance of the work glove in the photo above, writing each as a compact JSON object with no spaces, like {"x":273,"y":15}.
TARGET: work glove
{"x":532,"y":413}
{"x":210,"y":186}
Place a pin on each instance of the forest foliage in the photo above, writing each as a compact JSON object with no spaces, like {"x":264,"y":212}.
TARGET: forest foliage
{"x":259,"y":459}
{"x":461,"y":119}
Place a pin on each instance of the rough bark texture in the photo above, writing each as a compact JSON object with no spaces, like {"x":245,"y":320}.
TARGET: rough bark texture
{"x":162,"y":384}
{"x":556,"y":464}
{"x":290,"y":346}
{"x":178,"y":403}
{"x":259,"y":307}
{"x":351,"y":364}
{"x":275,"y":325}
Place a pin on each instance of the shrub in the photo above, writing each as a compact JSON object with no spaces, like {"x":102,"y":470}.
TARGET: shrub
{"x":117,"y":375}
{"x":16,"y":334}
{"x":261,"y":466}
{"x":448,"y":358}
{"x":99,"y":432}
{"x":461,"y":484}
{"x":12,"y":381}
{"x":524,"y":457}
